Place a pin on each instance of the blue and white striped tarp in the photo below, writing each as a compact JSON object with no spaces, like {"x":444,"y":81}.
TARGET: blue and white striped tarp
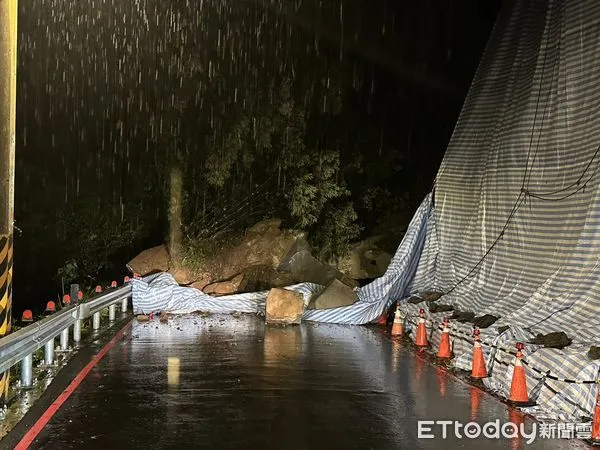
{"x":160,"y":292}
{"x":515,"y":231}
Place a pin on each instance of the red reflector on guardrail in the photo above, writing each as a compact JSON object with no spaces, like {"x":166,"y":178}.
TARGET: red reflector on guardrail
{"x":27,"y":316}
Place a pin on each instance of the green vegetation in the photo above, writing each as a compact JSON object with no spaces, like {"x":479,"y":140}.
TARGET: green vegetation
{"x":91,"y":233}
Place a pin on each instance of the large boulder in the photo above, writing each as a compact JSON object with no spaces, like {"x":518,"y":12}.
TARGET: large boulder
{"x":266,"y":256}
{"x":225,"y":287}
{"x":185,"y":276}
{"x":264,"y":277}
{"x":305,"y":267}
{"x":337,"y":294}
{"x":201,"y":283}
{"x":365,"y":260}
{"x":284,"y":307}
{"x":265,"y":244}
{"x":152,"y":260}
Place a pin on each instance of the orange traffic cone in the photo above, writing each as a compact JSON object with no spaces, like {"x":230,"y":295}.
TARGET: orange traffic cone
{"x":421,"y":339}
{"x":397,"y":329}
{"x":444,"y":350}
{"x":596,"y":422}
{"x":478,"y":368}
{"x":518,"y":388}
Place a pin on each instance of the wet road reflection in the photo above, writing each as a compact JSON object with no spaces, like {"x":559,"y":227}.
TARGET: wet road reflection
{"x":223,"y":382}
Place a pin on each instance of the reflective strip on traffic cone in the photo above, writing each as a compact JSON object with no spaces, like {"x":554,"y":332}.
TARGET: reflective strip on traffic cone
{"x":397,"y":329}
{"x":444,"y":350}
{"x":421,"y":339}
{"x":478,"y":368}
{"x":518,"y":388}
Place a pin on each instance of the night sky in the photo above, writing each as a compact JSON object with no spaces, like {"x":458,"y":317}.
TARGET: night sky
{"x":111,"y":92}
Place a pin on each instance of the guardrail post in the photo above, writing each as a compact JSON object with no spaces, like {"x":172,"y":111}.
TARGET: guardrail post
{"x":49,"y":352}
{"x":124,"y":305}
{"x":77,"y":331}
{"x":73,"y":292}
{"x":27,"y":371}
{"x":64,"y":339}
{"x":96,"y":321}
{"x":112,"y":309}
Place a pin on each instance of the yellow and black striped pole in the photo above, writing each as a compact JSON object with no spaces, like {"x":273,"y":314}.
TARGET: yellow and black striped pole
{"x":8,"y":106}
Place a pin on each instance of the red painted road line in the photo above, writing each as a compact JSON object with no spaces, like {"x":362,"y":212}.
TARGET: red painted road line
{"x":62,"y":398}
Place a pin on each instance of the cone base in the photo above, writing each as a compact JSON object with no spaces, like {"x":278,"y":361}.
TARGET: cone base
{"x":444,"y":354}
{"x":397,"y":330}
{"x":477,"y":378}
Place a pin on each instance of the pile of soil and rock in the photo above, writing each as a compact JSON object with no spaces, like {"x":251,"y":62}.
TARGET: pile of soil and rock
{"x":268,"y":257}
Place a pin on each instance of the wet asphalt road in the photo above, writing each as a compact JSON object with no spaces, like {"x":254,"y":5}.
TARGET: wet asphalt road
{"x":223,"y":382}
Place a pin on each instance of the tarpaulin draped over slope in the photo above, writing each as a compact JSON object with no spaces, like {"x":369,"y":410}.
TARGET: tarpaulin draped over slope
{"x":162,"y":293}
{"x":516,"y":228}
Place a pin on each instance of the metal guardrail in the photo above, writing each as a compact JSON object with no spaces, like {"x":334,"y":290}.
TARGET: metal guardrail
{"x":20,"y":345}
